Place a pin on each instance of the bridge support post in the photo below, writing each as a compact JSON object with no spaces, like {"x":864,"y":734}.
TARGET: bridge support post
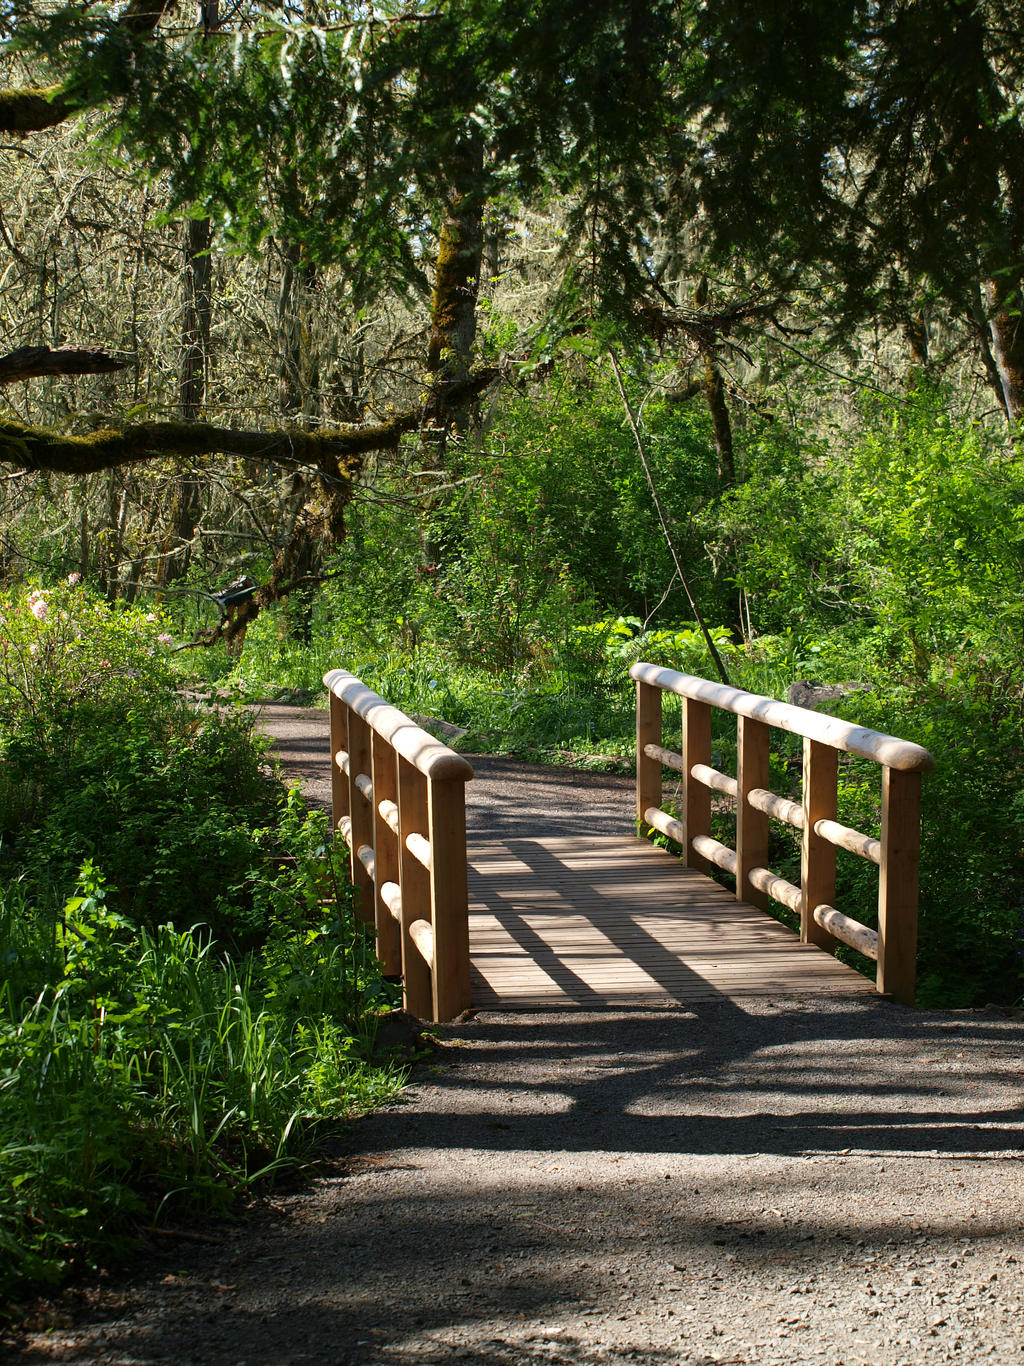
{"x":385,"y":845}
{"x":417,"y":996}
{"x":449,"y":900}
{"x":648,"y":770}
{"x":752,"y":828}
{"x":339,"y":745}
{"x":360,"y":813}
{"x":898,"y":884}
{"x":696,"y":749}
{"x":818,"y":856}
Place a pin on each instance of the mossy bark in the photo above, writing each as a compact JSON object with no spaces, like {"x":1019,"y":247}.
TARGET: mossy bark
{"x":457,"y":275}
{"x":35,"y":108}
{"x":336,"y":453}
{"x":36,"y":448}
{"x":1006,"y":330}
{"x":714,"y":393}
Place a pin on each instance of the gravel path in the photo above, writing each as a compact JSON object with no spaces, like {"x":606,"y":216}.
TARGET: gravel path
{"x":834,"y":1181}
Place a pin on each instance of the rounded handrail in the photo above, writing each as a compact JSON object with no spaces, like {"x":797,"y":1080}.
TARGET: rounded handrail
{"x":902,"y":755}
{"x":423,"y":750}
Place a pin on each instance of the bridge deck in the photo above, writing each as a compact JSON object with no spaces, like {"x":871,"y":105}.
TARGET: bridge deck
{"x":600,"y":920}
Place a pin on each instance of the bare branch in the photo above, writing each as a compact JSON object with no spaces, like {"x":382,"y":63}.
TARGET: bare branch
{"x":29,"y":362}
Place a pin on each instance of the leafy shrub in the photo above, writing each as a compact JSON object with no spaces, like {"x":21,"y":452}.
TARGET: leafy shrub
{"x":186,"y":990}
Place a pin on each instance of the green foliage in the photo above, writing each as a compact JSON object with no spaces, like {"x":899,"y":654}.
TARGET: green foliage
{"x":912,"y":526}
{"x":146,"y":1070}
{"x":186,"y":990}
{"x":101,"y":757}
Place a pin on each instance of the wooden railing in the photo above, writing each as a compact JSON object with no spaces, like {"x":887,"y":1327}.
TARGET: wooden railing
{"x":894,"y":944}
{"x":399,"y":800}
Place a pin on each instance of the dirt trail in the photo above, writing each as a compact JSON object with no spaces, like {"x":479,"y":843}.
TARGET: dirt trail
{"x":835,"y":1181}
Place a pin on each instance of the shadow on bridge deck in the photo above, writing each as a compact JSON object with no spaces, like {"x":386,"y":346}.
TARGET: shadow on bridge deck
{"x":568,"y":908}
{"x":599,"y":921}
{"x":584,"y":914}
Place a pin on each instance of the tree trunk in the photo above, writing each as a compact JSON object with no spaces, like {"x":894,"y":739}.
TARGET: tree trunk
{"x":298,"y":339}
{"x":457,"y":277}
{"x":714,"y":392}
{"x":197,"y":316}
{"x":1006,"y":333}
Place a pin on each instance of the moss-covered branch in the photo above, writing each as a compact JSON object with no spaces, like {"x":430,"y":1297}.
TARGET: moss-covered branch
{"x":37,"y":448}
{"x":33,"y":109}
{"x":29,"y":362}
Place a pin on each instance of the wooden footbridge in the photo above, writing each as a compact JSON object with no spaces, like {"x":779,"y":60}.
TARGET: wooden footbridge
{"x":585,"y":920}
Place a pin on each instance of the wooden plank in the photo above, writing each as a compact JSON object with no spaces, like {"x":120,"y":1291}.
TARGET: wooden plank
{"x":589,"y":922}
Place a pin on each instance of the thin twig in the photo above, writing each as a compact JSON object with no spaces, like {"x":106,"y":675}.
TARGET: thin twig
{"x":712,"y":648}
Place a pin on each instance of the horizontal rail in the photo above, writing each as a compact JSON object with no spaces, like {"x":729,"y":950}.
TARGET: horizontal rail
{"x":777,"y":888}
{"x":391,"y":895}
{"x":718,"y":782}
{"x":902,"y":755}
{"x":368,"y":859}
{"x":779,"y":808}
{"x":389,"y":815}
{"x":719,"y":854}
{"x":851,"y":932}
{"x":661,"y":821}
{"x":851,"y":840}
{"x":398,"y":800}
{"x":421,"y":749}
{"x":422,"y":935}
{"x":895,"y":852}
{"x":668,"y":757}
{"x":420,"y":849}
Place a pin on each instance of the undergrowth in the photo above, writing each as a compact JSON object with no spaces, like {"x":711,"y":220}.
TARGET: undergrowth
{"x":186,"y":991}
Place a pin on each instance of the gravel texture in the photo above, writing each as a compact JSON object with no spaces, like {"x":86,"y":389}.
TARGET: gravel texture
{"x":773,"y":1181}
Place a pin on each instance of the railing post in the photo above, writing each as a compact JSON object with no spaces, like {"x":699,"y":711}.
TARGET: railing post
{"x":339,"y":745}
{"x":648,"y":770}
{"x":414,"y":881}
{"x":898,"y":884}
{"x":817,"y":856}
{"x":360,"y":811}
{"x":753,"y":830}
{"x":449,"y":902}
{"x":696,"y":749}
{"x":385,"y":844}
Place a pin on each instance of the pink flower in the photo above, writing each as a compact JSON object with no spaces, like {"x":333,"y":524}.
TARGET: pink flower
{"x":73,"y":579}
{"x":37,"y":605}
{"x":165,"y":639}
{"x":151,"y":616}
